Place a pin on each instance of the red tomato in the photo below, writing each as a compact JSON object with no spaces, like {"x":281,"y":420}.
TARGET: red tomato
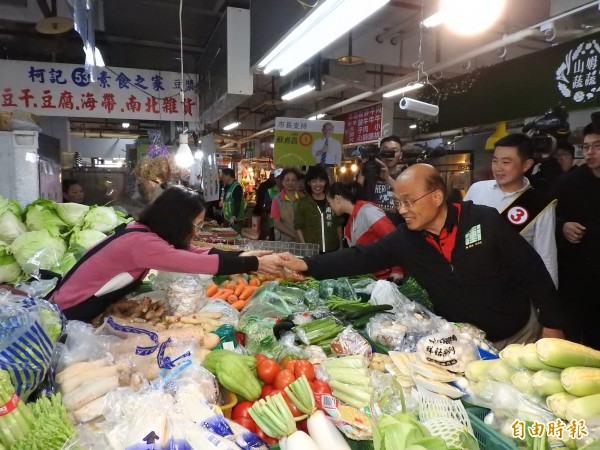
{"x":246,"y":422}
{"x":277,"y":391}
{"x":240,"y":337}
{"x":290,"y":363}
{"x":268,"y":439}
{"x":302,"y":426}
{"x":259,"y":358}
{"x":295,"y":411}
{"x":241,"y":409}
{"x":266,"y":391}
{"x":303,"y":367}
{"x":267,"y":370}
{"x":320,"y":387}
{"x":284,"y":379}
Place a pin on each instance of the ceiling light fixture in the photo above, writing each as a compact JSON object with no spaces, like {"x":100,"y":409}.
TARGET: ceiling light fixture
{"x":198,"y":154}
{"x":413,"y":126}
{"x":305,"y":89}
{"x":125,"y":125}
{"x":466,"y":17}
{"x":323,"y":25}
{"x":433,"y":20}
{"x":318,"y":116}
{"x":404,"y":89}
{"x":183,"y":156}
{"x":232,"y":125}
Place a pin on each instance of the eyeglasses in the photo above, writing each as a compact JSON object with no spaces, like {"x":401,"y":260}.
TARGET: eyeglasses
{"x":593,"y":146}
{"x":407,"y":204}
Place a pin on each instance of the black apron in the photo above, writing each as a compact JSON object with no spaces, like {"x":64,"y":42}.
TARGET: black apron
{"x":95,"y":305}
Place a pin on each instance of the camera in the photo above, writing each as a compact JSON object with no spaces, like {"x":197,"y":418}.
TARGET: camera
{"x":370,"y":168}
{"x":548,"y":129}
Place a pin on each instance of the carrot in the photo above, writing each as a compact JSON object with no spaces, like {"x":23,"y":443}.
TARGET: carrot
{"x":232,"y":299}
{"x":242,"y":281}
{"x":239,"y":304}
{"x":254,"y":282}
{"x":218,"y":294}
{"x":230,"y":286}
{"x":239,"y":289}
{"x":247,"y":293}
{"x":212,"y":290}
{"x":224,"y":294}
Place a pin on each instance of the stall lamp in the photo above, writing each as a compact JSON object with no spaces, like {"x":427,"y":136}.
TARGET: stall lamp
{"x":125,"y":125}
{"x":343,"y":169}
{"x":354,"y":167}
{"x":413,"y":126}
{"x":404,"y":89}
{"x":305,"y":89}
{"x":232,"y":125}
{"x":323,"y":25}
{"x":318,"y":116}
{"x":184,"y":156}
{"x":272,"y":145}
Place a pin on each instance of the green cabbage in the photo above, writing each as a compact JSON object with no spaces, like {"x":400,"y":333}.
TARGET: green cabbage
{"x":38,"y":250}
{"x":71,"y":213}
{"x":10,"y":205}
{"x":10,"y":271}
{"x":86,"y":238}
{"x":68,"y":260}
{"x":10,"y":226}
{"x":101,"y":218}
{"x":38,"y":217}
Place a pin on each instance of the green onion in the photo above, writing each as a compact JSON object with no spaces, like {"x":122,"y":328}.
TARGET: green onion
{"x":17,"y":423}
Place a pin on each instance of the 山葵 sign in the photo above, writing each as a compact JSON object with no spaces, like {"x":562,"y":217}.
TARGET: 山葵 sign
{"x":52,"y":89}
{"x":303,"y":142}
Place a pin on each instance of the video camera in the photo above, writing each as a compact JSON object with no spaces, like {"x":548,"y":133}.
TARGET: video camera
{"x":548,"y":129}
{"x":368,"y":153}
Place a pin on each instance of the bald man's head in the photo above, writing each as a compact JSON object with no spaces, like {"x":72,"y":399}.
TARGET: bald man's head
{"x":424,"y":175}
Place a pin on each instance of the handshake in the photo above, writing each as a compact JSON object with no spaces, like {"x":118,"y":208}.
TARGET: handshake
{"x":275,"y":263}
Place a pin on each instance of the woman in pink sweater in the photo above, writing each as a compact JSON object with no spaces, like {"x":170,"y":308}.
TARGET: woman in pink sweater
{"x":367,"y":223}
{"x":161,"y":240}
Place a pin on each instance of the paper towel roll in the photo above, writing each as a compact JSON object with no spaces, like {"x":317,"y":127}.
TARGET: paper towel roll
{"x":416,"y":106}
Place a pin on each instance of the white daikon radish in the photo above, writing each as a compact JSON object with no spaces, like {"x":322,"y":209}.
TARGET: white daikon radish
{"x":72,"y":382}
{"x":324,"y":433}
{"x":89,"y":391}
{"x":299,"y":440}
{"x":79,"y":367}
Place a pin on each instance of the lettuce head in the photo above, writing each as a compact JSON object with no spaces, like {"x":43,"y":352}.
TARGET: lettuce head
{"x":101,"y":218}
{"x":71,"y":213}
{"x":10,"y":226}
{"x":38,"y":250}
{"x":10,"y":271}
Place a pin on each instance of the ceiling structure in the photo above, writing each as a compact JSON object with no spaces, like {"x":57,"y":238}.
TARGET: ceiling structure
{"x":145,"y":34}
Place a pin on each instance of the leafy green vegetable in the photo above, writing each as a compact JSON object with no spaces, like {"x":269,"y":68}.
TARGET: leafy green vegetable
{"x":52,"y":426}
{"x":38,"y":250}
{"x":403,"y":431}
{"x":86,"y":238}
{"x":71,"y":213}
{"x":51,"y":321}
{"x":10,"y":271}
{"x":10,"y":226}
{"x":40,"y":215}
{"x":413,"y":291}
{"x":101,"y":218}
{"x":10,"y":205}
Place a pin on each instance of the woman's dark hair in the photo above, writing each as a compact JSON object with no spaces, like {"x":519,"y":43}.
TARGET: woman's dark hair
{"x":316,"y":173}
{"x":229,"y":172}
{"x":287,"y":170}
{"x":172,"y":215}
{"x":350,"y":191}
{"x":67,"y":183}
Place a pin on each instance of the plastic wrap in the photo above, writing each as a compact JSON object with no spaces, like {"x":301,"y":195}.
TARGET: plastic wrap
{"x":449,"y":350}
{"x":29,"y":329}
{"x":350,"y":342}
{"x":387,"y":330}
{"x":186,"y":295}
{"x":339,"y":286}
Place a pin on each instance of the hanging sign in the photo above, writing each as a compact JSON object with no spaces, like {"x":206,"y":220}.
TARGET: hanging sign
{"x":53,"y":89}
{"x":577,"y":75}
{"x":303,"y":142}
{"x":363,"y":124}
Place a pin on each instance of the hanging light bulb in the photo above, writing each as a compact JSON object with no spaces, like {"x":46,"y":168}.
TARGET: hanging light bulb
{"x":184,"y":156}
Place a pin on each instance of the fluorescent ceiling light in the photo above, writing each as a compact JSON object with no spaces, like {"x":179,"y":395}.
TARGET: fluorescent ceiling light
{"x":402,"y":90}
{"x":232,"y":125}
{"x":184,"y":157}
{"x":434,"y":20}
{"x":298,"y":92}
{"x":323,"y":25}
{"x":318,"y":116}
{"x":468,"y":17}
{"x":413,"y":126}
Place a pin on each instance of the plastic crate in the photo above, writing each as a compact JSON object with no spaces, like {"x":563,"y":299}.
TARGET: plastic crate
{"x":295,"y":248}
{"x":488,"y":438}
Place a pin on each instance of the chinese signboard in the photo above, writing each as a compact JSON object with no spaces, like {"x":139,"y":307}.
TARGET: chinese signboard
{"x":577,"y":75}
{"x":51,"y":89}
{"x":302,"y":142}
{"x":363,"y":124}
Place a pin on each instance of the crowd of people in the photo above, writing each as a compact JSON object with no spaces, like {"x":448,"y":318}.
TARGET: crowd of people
{"x":514,"y":257}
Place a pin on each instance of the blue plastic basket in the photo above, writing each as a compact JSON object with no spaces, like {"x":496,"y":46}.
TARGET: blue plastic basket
{"x":488,"y":438}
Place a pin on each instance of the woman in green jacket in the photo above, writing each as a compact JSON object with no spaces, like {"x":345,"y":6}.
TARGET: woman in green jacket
{"x":314,"y":220}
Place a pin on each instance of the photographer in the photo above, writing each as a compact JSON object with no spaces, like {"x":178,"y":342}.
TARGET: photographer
{"x":378,"y":174}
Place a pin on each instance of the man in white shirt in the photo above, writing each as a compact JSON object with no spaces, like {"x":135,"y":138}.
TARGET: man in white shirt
{"x":327,"y":150}
{"x":511,"y":194}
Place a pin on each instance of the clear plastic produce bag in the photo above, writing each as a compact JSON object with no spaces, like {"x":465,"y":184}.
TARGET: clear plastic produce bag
{"x":29,"y":329}
{"x":186,"y":295}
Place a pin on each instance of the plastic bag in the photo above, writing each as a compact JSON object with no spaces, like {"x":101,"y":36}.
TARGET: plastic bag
{"x":449,"y":350}
{"x":386,"y":293}
{"x":339,"y":286}
{"x":231,"y":316}
{"x":29,"y":329}
{"x":350,"y":342}
{"x":267,"y":302}
{"x":186,"y":295}
{"x":386,"y":330}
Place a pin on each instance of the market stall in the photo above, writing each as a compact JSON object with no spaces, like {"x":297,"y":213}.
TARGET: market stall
{"x":254,"y":360}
